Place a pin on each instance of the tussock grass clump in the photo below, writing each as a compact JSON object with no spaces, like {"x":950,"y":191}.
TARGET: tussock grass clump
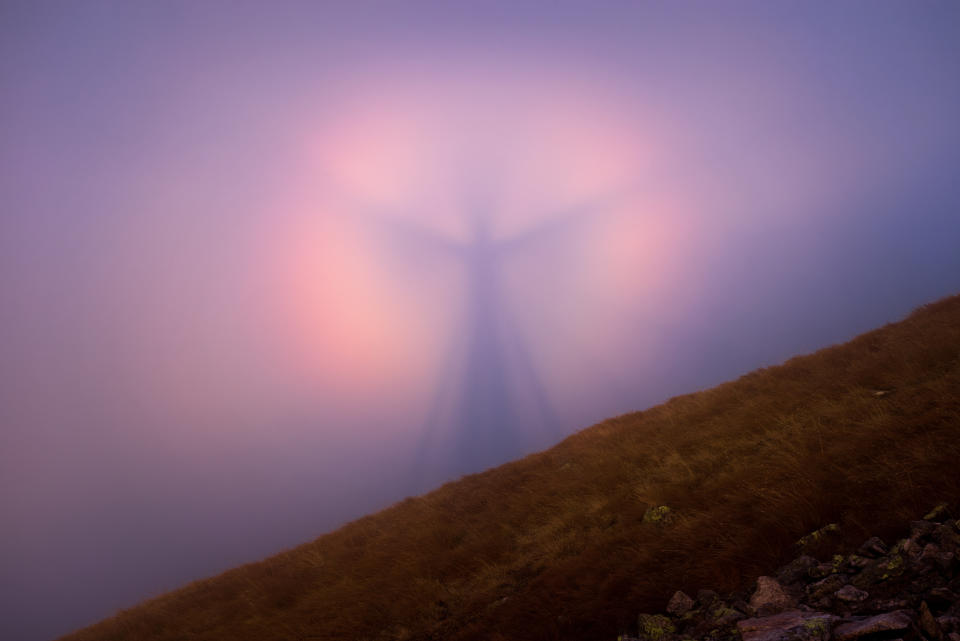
{"x":560,"y":544}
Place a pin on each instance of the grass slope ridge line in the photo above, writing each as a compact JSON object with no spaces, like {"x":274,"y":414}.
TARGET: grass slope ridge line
{"x":556,"y":546}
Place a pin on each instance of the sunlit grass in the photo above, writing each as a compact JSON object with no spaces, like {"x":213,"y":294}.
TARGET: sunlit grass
{"x":555,"y":546}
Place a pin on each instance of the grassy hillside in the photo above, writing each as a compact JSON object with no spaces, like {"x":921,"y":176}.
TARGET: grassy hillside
{"x":555,"y":546}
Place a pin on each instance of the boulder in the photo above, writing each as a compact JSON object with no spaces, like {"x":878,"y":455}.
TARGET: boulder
{"x":896,"y":621}
{"x":770,"y":597}
{"x":879,"y":570}
{"x":791,"y":625}
{"x":679,"y":604}
{"x":797,"y":570}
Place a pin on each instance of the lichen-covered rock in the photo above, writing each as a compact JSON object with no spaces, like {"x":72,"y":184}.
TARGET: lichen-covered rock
{"x":817,"y":536}
{"x":679,"y":604}
{"x":797,"y":570}
{"x":658,"y":515}
{"x":722,"y":615}
{"x":897,"y":621}
{"x":654,"y":627}
{"x":939,"y":513}
{"x":706,"y":599}
{"x":827,"y":586}
{"x":791,"y":625}
{"x":879,"y":570}
{"x":770,"y":597}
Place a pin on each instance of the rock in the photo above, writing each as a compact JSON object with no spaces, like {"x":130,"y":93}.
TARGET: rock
{"x":792,"y":625}
{"x":940,"y":513}
{"x":921,"y":529}
{"x":822,"y":570}
{"x":928,"y":624}
{"x":890,"y":604}
{"x":911,"y":549}
{"x":660,"y":515}
{"x":873,"y":547}
{"x":706,"y":599}
{"x":934,"y":555}
{"x":812,"y":539}
{"x":797,"y":570}
{"x":850,"y":594}
{"x":722,"y":615}
{"x":855,"y":563}
{"x":654,"y":626}
{"x":679,"y":604}
{"x":949,"y":624}
{"x":878,"y":571}
{"x":895,"y":621}
{"x":827,"y":586}
{"x":946,"y":537}
{"x":941,"y":598}
{"x":954,"y":636}
{"x":770,"y":597}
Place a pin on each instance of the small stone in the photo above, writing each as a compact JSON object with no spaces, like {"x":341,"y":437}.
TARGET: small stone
{"x":770,"y":597}
{"x":886,"y":622}
{"x":679,"y":604}
{"x":954,"y":636}
{"x":850,"y":594}
{"x":873,"y":547}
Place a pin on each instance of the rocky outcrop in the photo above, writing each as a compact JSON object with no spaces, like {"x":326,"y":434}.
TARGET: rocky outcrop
{"x":908,"y":591}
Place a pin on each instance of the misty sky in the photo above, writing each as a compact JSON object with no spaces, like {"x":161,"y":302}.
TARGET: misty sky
{"x":266,"y":267}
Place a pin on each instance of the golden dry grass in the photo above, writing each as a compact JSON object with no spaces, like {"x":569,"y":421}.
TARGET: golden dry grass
{"x":554,"y":546}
